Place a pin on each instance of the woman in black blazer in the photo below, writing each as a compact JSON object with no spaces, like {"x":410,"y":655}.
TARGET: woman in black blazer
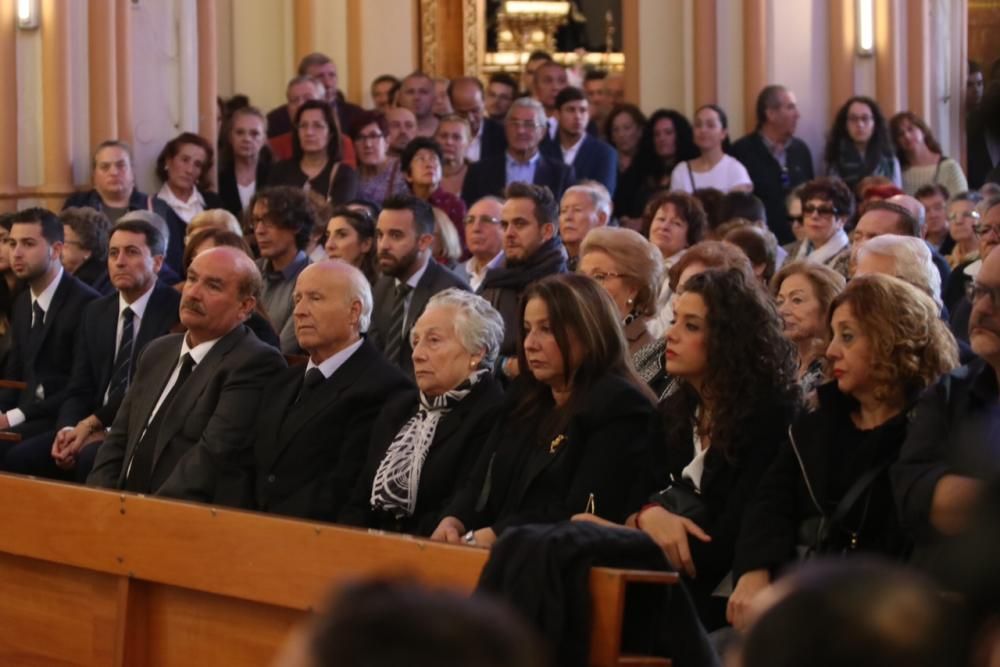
{"x":574,"y":431}
{"x":424,"y":446}
{"x":245,"y":156}
{"x":888,"y":343}
{"x":736,"y":395}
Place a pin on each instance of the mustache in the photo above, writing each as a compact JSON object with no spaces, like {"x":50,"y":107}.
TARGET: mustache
{"x":193,"y":306}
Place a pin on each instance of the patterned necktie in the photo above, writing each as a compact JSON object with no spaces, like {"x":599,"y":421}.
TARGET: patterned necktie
{"x":394,"y":339}
{"x":123,"y":360}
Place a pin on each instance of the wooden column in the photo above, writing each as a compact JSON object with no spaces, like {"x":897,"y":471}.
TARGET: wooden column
{"x":630,"y":47}
{"x":841,"y":25}
{"x":123,"y":70}
{"x":8,"y":111}
{"x":706,"y":89}
{"x":208,"y":75}
{"x":304,"y":22}
{"x":886,"y":57}
{"x":355,"y":80}
{"x":754,"y":57}
{"x":57,"y":103}
{"x":918,"y":49}
{"x":441,"y":38}
{"x":101,"y":63}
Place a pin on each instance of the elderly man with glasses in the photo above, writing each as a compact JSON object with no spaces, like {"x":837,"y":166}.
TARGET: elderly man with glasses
{"x":484,"y":239}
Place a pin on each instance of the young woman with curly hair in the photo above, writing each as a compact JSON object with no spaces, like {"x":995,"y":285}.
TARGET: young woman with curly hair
{"x":859,"y":144}
{"x":829,"y":490}
{"x":736,"y":395}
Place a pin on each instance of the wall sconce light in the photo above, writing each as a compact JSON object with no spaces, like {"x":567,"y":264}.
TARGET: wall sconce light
{"x":27,"y":14}
{"x":865,"y":12}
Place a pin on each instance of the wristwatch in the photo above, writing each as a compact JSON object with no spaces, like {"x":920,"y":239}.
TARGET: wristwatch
{"x":470,"y":538}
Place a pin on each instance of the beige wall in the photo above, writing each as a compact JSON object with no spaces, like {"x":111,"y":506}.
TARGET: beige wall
{"x":387,"y":43}
{"x":665,"y":55}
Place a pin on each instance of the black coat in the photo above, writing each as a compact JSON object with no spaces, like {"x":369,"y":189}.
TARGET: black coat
{"x":308,"y":454}
{"x":727,"y":485}
{"x":94,"y":273}
{"x":341,"y":189}
{"x":489,"y":177}
{"x":527,"y":476}
{"x":95,"y":354}
{"x":46,"y":363}
{"x":834,"y":454}
{"x":458,"y":442}
{"x":229,"y":192}
{"x":766,"y":174}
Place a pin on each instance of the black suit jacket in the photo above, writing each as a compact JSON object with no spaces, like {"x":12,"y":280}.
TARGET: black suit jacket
{"x":765,"y":172}
{"x":489,"y":177}
{"x":458,"y":442}
{"x":308,"y":454}
{"x":178,"y":228}
{"x":526,"y":476}
{"x":494,"y":139}
{"x":596,"y":161}
{"x":202,"y":449}
{"x":95,"y":354}
{"x":47,"y":362}
{"x":229,"y":193}
{"x":435,"y":279}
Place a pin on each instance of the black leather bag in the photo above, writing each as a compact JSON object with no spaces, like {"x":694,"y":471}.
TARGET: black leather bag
{"x":827,"y":535}
{"x":683,"y":499}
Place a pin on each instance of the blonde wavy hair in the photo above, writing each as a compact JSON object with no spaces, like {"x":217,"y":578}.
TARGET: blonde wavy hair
{"x":911,"y":346}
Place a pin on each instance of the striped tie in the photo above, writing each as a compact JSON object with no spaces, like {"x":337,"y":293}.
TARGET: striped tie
{"x":123,"y":360}
{"x":394,"y":340}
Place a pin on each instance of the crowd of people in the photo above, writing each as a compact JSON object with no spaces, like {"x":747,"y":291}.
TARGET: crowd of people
{"x":474,"y":308}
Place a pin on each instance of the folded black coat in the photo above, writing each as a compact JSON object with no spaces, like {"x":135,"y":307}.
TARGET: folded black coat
{"x":543,"y":570}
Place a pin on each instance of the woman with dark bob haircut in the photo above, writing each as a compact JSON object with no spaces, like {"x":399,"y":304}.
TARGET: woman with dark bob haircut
{"x":575,"y":429}
{"x":736,"y":395}
{"x":316,"y":157}
{"x":827,"y":205}
{"x":670,"y":138}
{"x":828,"y":490}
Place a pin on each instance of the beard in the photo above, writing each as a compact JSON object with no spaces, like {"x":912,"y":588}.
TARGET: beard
{"x":400,"y":267}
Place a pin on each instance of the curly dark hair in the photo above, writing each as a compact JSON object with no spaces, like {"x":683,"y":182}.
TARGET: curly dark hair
{"x":831,"y":189}
{"x":688,"y":207}
{"x":288,"y":208}
{"x":879,"y":146}
{"x":173,"y":147}
{"x":684,"y":146}
{"x":332,"y":144}
{"x":751,"y":365}
{"x":415,"y":145}
{"x":93,"y":228}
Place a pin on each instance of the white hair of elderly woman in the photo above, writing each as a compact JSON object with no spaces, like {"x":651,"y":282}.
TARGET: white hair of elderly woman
{"x":912,"y":258}
{"x":478,"y":325}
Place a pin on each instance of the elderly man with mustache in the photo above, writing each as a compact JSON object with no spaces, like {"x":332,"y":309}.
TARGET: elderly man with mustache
{"x":182,"y":431}
{"x":952,"y":446}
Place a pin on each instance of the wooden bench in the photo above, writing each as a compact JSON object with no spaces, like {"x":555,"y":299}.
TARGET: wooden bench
{"x":98,"y":578}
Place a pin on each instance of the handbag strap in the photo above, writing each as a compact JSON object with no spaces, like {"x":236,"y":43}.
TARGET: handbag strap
{"x":690,"y":175}
{"x":854,"y":493}
{"x":333,"y":179}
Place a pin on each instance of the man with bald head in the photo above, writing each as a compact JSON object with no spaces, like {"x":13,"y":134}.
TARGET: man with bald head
{"x":182,"y":429}
{"x":311,"y":437}
{"x":466,"y":94}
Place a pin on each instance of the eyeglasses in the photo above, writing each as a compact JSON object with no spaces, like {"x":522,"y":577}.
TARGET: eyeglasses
{"x":983,"y":230}
{"x":484,"y":219}
{"x":523,"y":124}
{"x":955,"y":217}
{"x":822,"y":211}
{"x":370,"y":137}
{"x":603,"y":276}
{"x":978,"y":290}
{"x":860,"y":120}
{"x":795,"y":219}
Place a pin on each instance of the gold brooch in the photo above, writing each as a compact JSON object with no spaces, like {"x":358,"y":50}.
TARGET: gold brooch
{"x":556,"y":443}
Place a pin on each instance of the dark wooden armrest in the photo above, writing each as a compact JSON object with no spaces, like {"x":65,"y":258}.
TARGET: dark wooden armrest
{"x":7,"y":436}
{"x":13,"y":384}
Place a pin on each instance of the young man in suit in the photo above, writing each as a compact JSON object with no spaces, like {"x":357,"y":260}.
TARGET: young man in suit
{"x":182,"y":430}
{"x":590,"y":158}
{"x":311,"y":436}
{"x":113,"y":331}
{"x":45,"y":322}
{"x":405,"y":234}
{"x":522,"y":161}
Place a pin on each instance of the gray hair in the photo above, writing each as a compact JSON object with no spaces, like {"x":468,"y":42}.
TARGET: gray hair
{"x":529,"y":103}
{"x":361,"y":291}
{"x":983,"y":207}
{"x":597,"y":192}
{"x":912,"y":258}
{"x":152,"y":218}
{"x":478,"y":325}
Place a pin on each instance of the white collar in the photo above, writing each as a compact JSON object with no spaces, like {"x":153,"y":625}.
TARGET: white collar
{"x":139,"y":305}
{"x":329,"y":366}
{"x":167,"y":195}
{"x":827,"y":251}
{"x":199,"y":351}
{"x":45,"y":298}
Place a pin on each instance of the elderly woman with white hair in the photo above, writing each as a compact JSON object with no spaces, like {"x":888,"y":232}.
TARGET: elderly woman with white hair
{"x":630,"y":269}
{"x":905,"y":257}
{"x":424,"y":445}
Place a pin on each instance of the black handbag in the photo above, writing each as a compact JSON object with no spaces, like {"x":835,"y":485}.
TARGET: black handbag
{"x":827,"y":535}
{"x":683,"y":499}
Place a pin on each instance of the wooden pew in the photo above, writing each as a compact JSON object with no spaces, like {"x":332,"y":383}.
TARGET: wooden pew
{"x":98,"y":578}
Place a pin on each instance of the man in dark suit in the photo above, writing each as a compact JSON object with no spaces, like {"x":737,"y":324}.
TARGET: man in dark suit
{"x":775,"y":159}
{"x":590,"y":158}
{"x":113,"y":331}
{"x":405,"y":233}
{"x":466,"y":95}
{"x":45,"y":321}
{"x":182,"y":430}
{"x":311,"y":437}
{"x":522,"y":161}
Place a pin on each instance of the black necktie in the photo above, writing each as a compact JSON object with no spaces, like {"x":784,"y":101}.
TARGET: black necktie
{"x":138,"y":477}
{"x":313,"y":378}
{"x":394,"y":339}
{"x":38,"y":320}
{"x":123,"y":360}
